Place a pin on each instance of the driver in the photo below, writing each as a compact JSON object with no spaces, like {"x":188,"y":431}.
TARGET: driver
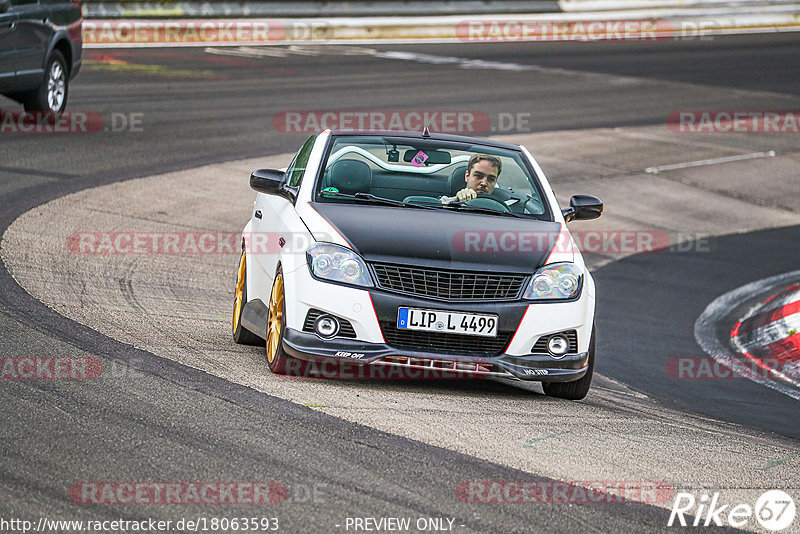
{"x":481,"y":177}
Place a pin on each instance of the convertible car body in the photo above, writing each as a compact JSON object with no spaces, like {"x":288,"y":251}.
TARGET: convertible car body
{"x":364,"y":252}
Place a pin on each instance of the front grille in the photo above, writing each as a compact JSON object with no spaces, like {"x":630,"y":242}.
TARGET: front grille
{"x":345,"y":328}
{"x":452,"y":343}
{"x":448,"y":285}
{"x":572,"y":340}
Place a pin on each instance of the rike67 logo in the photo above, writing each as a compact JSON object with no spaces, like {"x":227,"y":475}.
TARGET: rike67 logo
{"x":774,"y":510}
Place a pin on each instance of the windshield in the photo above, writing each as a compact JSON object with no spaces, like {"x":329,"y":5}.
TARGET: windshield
{"x":431,"y":174}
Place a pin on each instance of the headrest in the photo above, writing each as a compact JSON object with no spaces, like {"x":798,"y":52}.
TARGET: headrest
{"x":456,"y":181}
{"x":351,"y":176}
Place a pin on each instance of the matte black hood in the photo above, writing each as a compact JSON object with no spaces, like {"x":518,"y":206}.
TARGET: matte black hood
{"x":446,"y":239}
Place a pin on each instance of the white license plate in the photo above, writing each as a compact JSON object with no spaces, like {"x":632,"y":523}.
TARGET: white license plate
{"x":447,"y":322}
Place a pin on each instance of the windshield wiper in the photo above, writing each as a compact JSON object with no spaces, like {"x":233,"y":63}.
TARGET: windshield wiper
{"x":372,"y":199}
{"x":379,"y":200}
{"x":480,"y":209}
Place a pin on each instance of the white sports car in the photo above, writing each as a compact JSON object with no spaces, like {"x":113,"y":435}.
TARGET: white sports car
{"x":417,"y":252}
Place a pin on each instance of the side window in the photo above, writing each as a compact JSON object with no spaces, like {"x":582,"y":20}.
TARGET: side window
{"x":298,"y":166}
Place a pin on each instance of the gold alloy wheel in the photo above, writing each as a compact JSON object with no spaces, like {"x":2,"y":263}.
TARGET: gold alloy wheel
{"x":275,"y":319}
{"x":237,"y":304}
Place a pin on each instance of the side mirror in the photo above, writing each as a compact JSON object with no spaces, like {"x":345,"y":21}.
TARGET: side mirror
{"x":272,"y":182}
{"x":583,"y":207}
{"x":4,"y":5}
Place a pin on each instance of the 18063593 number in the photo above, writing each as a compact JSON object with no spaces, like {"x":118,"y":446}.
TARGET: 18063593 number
{"x":237,"y":524}
{"x":447,"y":322}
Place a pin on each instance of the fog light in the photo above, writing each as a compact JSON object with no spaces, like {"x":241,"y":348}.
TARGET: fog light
{"x":558,"y":346}
{"x":326,"y":326}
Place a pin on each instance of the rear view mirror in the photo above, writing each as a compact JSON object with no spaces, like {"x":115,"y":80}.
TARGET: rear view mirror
{"x":427,"y":156}
{"x":583,"y":207}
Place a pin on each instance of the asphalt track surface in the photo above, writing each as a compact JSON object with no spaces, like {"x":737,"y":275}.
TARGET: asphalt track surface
{"x":166,"y":421}
{"x":661,"y":278}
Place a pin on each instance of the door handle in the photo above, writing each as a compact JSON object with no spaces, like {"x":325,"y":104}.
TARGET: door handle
{"x":258,"y":214}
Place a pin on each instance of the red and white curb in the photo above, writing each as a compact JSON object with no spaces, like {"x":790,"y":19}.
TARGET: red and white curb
{"x":767,"y":336}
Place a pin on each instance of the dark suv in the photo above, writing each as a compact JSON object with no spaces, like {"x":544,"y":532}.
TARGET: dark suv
{"x":40,"y":51}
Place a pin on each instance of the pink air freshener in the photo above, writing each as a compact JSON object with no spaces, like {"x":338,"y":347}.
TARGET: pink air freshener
{"x":419,"y":158}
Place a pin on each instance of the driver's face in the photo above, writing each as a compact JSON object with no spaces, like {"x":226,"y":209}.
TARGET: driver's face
{"x":482,"y":178}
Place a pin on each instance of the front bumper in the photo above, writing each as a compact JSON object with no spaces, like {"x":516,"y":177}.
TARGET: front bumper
{"x":408,"y":363}
{"x":373,"y":314}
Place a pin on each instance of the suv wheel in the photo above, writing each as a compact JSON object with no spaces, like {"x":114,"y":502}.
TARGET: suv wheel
{"x":52,"y":93}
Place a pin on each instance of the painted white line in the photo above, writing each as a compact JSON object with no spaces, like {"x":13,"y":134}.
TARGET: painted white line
{"x":333,"y":49}
{"x":431,"y":59}
{"x":460,"y":62}
{"x":468,"y":64}
{"x":704,"y":162}
{"x":706,"y":335}
{"x":249,"y":51}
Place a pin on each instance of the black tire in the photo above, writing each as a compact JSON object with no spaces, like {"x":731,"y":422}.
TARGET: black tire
{"x":242,"y":335}
{"x":52,"y":93}
{"x":577,"y":389}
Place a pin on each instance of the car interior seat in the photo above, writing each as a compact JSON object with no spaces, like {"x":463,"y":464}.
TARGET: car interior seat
{"x":349,"y":176}
{"x":456,"y":181}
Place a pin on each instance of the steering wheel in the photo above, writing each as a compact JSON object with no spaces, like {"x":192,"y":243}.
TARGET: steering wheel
{"x":495,"y":205}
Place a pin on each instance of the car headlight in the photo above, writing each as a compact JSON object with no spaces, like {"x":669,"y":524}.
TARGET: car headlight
{"x":338,"y":264}
{"x":557,"y":281}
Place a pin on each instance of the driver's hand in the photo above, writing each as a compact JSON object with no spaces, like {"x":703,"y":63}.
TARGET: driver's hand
{"x":466,"y":194}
